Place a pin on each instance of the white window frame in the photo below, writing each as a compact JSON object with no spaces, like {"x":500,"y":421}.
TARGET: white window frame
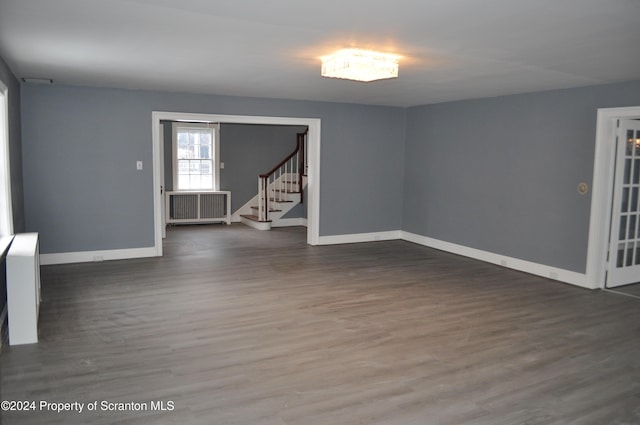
{"x":6,"y":210}
{"x":215,"y":150}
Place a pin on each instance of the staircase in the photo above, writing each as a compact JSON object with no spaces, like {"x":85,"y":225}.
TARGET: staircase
{"x":279,"y":190}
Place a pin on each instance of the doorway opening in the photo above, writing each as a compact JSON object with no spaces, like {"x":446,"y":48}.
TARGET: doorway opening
{"x":313,"y":174}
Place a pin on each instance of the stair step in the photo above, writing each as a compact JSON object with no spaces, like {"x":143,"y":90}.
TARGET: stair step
{"x":277,"y":200}
{"x":286,"y":191}
{"x":254,"y":218}
{"x":255,"y":207}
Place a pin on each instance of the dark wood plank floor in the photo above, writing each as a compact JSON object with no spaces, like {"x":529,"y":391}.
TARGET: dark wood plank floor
{"x":633,"y":289}
{"x":237,"y":326}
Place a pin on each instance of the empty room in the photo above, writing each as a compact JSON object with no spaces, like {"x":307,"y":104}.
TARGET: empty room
{"x":288,"y":213}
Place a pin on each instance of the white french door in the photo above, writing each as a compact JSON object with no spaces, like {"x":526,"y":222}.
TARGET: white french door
{"x":624,"y":242}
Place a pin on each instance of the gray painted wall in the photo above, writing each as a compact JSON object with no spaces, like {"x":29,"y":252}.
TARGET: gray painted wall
{"x":501,"y":174}
{"x":80,"y":145}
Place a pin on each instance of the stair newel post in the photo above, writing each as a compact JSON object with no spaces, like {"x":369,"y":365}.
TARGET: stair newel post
{"x":260,"y":198}
{"x":265,"y":195}
{"x":294,"y":172}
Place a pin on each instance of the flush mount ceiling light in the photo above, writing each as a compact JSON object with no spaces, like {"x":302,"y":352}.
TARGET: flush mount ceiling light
{"x":360,"y":65}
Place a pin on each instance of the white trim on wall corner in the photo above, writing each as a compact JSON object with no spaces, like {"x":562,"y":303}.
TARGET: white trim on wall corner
{"x":96,"y":256}
{"x":554,"y":273}
{"x":359,"y":237}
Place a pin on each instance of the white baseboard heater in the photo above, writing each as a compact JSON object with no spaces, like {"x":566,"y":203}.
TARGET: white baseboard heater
{"x":198,"y":207}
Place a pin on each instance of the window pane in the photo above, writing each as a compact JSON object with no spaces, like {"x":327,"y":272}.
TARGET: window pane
{"x":632,"y":226}
{"x":183,"y":139}
{"x":205,"y":151}
{"x":185,"y":152}
{"x":194,"y":137}
{"x":183,"y":182}
{"x":194,"y":182}
{"x":625,"y":200}
{"x":623,"y":228}
{"x":627,"y":171}
{"x":183,"y":167}
{"x":207,"y":181}
{"x":205,"y":137}
{"x":205,"y":167}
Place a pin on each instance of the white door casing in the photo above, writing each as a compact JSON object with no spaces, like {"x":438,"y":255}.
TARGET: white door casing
{"x":624,"y":245}
{"x":313,"y":177}
{"x":602,"y":192}
{"x":163,"y":189}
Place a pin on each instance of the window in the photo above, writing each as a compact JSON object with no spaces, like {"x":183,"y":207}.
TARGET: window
{"x":195,"y":156}
{"x":6,"y":215}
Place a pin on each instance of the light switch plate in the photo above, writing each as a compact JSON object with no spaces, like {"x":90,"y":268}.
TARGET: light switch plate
{"x":138,"y":165}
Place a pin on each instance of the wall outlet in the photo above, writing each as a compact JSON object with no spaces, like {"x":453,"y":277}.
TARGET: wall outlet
{"x":98,"y":258}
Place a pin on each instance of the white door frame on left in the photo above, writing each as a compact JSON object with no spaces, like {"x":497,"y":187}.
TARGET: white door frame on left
{"x":313,"y":177}
{"x":602,"y":192}
{"x":6,"y":223}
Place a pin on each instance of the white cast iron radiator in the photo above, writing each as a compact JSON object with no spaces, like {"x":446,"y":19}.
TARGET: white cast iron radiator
{"x":23,"y":288}
{"x":198,"y":207}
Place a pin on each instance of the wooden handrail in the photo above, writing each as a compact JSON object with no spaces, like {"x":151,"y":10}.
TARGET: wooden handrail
{"x":281,"y":163}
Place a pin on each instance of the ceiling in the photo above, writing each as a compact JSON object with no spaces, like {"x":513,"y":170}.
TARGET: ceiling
{"x":451,"y":49}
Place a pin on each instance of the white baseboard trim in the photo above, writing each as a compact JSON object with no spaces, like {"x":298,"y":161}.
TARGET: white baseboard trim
{"x":91,"y":256}
{"x":359,"y":237}
{"x":288,"y":222}
{"x":566,"y":276}
{"x":554,"y":273}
